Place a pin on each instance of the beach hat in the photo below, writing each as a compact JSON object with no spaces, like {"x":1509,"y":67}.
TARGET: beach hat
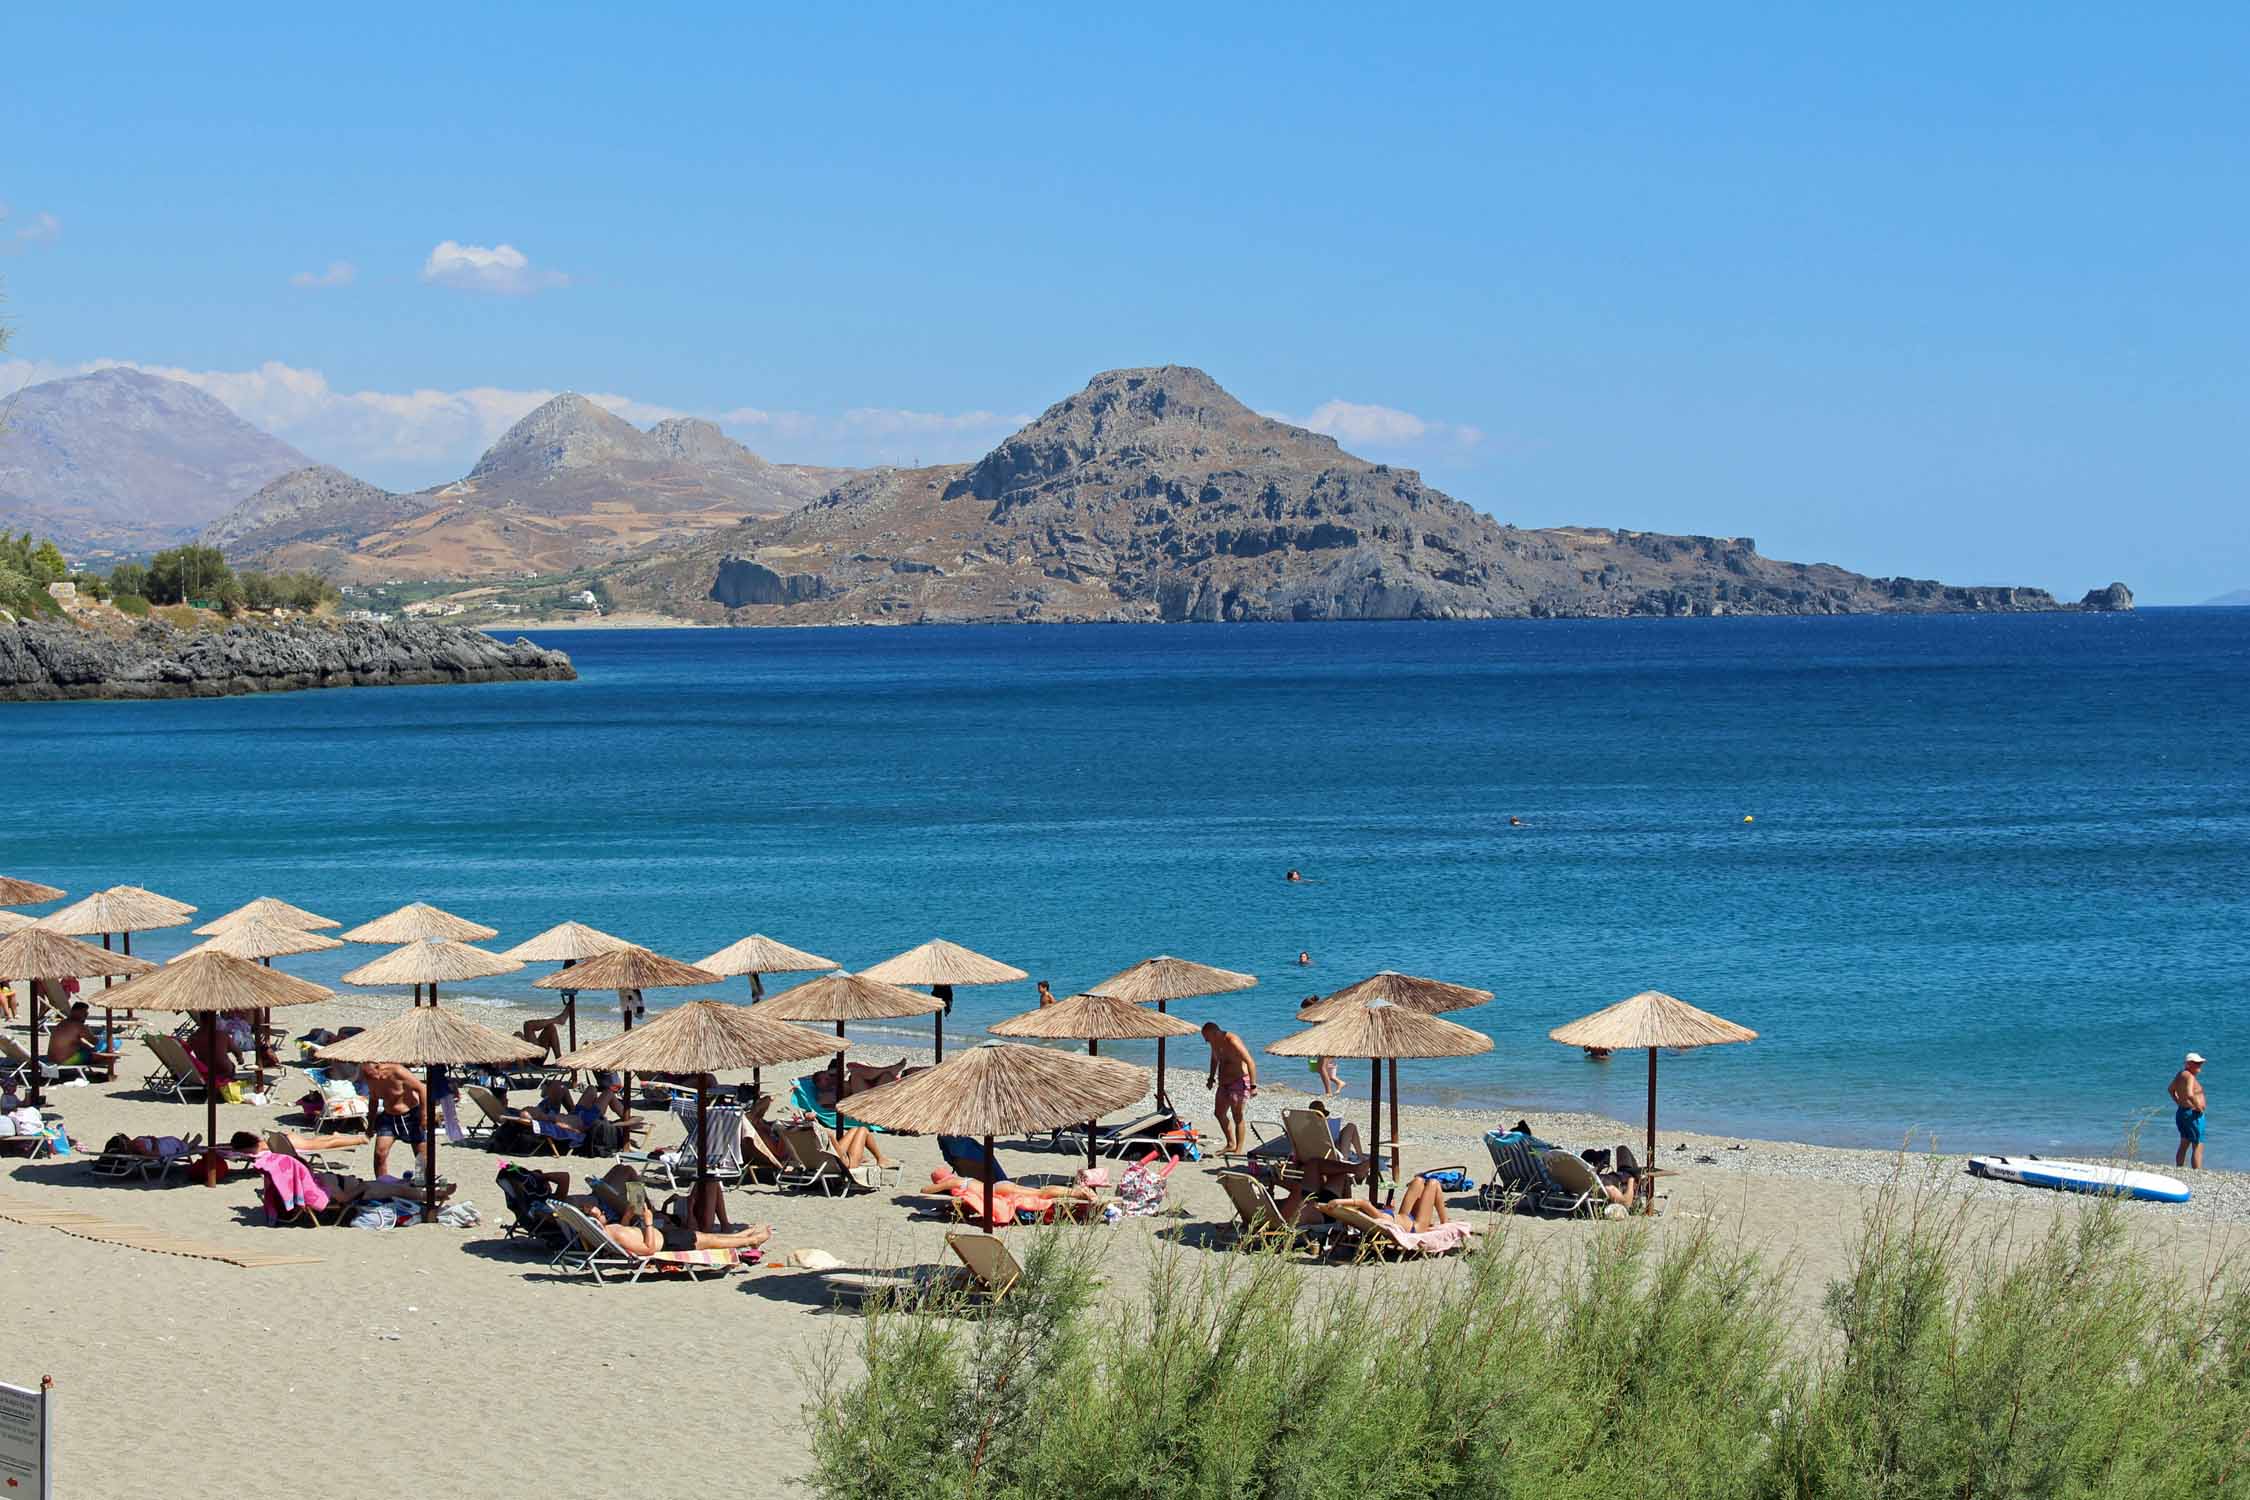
{"x":2195,"y":1057}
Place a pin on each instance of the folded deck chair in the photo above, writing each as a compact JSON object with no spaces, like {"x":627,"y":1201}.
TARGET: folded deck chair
{"x":1380,"y":1235}
{"x":593,"y":1251}
{"x":1258,"y":1219}
{"x":173,"y":1074}
{"x":986,"y":1270}
{"x":488,"y":1105}
{"x":813,"y":1163}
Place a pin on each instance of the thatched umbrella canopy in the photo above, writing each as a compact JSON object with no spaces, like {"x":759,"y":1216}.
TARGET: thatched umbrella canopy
{"x":844,"y":997}
{"x":269,"y":909}
{"x":1432,"y":996}
{"x":257,"y":937}
{"x":122,"y":909}
{"x":1651,"y":1019}
{"x":1002,"y":1089}
{"x":415,"y":921}
{"x":14,"y":892}
{"x":627,"y":970}
{"x":38,"y":952}
{"x":1160,"y":980}
{"x":430,"y":1037}
{"x":942,"y":965}
{"x":15,"y":921}
{"x":430,"y":961}
{"x":208,"y":985}
{"x":758,"y":955}
{"x":703,"y":1037}
{"x":1380,"y":1031}
{"x":1092,"y":1019}
{"x":566,"y":943}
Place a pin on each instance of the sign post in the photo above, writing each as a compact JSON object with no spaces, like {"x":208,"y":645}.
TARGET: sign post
{"x":27,"y":1441}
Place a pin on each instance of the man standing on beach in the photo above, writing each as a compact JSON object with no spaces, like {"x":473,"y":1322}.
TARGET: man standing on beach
{"x":394,"y":1103}
{"x":2187,"y":1111}
{"x":1233,"y":1079}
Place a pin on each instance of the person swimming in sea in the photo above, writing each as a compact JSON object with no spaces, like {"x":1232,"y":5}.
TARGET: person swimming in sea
{"x":1294,"y":877}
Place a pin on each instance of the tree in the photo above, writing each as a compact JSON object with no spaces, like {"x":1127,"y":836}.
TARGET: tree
{"x":130,"y":579}
{"x":48,"y":565}
{"x":182,"y":575}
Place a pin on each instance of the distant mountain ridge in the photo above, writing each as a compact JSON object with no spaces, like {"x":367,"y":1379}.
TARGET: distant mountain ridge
{"x":1153,"y":494}
{"x":570,"y":484}
{"x":119,"y":460}
{"x":2235,"y":599}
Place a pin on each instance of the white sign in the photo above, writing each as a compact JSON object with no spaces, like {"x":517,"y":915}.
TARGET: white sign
{"x":27,"y":1459}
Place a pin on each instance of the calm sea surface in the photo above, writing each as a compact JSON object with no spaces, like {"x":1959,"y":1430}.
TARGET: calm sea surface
{"x":1995,"y":886}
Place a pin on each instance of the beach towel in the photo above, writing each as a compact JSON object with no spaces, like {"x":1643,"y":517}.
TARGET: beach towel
{"x":806,"y":1100}
{"x":1438,"y":1238}
{"x":288,"y":1183}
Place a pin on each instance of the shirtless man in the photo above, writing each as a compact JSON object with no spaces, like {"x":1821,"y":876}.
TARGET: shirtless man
{"x":72,"y":1043}
{"x":2187,"y":1111}
{"x":1233,"y":1078}
{"x":394,"y":1105}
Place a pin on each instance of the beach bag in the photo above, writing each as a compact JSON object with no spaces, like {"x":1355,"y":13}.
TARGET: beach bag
{"x":376,"y":1214}
{"x":1140,"y":1192}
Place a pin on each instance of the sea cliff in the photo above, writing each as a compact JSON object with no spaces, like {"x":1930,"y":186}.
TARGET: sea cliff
{"x":47,"y":661}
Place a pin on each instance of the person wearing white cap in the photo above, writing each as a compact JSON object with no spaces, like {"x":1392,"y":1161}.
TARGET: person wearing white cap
{"x":2187,"y":1112}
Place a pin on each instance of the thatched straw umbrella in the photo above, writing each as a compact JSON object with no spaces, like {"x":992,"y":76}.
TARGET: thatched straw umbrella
{"x":756,"y":955}
{"x":566,"y":943}
{"x":15,"y":921}
{"x":269,"y":909}
{"x":844,"y":997}
{"x":430,"y":961}
{"x":124,"y":910}
{"x":1651,"y":1019}
{"x":1430,"y":996}
{"x":14,"y":892}
{"x":431,"y":1037}
{"x":703,"y":1037}
{"x":1160,"y":980}
{"x":413,"y":923}
{"x":942,"y":965}
{"x":1003,"y":1089}
{"x":208,"y":985}
{"x":1377,"y":1031}
{"x":1093,"y":1019}
{"x":265,"y":941}
{"x":38,"y":952}
{"x":630,"y":968}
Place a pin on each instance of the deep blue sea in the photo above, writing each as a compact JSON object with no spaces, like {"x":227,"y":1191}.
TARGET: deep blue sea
{"x":1996,"y":884}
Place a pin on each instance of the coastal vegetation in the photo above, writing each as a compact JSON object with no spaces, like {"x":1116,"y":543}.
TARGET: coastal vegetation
{"x":1947,"y":1363}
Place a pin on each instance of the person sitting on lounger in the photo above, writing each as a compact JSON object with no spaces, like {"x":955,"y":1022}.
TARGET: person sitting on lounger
{"x":760,"y":1138}
{"x":1011,"y":1199}
{"x":546,"y":1032}
{"x":1421,"y":1206}
{"x":605,"y":1096}
{"x":72,"y":1044}
{"x":856,"y":1144}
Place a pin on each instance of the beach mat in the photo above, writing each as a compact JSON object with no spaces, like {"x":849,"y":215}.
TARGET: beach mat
{"x":94,"y":1227}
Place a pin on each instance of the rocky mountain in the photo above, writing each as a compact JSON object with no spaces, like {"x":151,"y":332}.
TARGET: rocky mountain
{"x":2235,"y":599}
{"x":47,"y":661}
{"x":1154,"y":495}
{"x":122,"y":461}
{"x":569,"y":485}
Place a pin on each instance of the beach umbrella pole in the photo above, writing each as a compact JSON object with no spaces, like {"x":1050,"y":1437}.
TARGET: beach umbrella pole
{"x":991,"y":1220}
{"x":38,"y":1057}
{"x":429,"y":1139}
{"x":570,"y":1009}
{"x":109,"y":1018}
{"x":939,"y":1019}
{"x":1648,"y":1169}
{"x":1395,"y":1162}
{"x":1375,"y":1131}
{"x":1163,"y":1097}
{"x":1093,"y":1049}
{"x":211,"y":1099}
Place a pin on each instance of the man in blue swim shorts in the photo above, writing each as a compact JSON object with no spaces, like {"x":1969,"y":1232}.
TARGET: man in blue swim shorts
{"x":2187,"y":1112}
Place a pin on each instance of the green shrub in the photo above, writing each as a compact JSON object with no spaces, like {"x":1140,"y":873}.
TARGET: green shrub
{"x":1949,"y":1367}
{"x":132,"y":604}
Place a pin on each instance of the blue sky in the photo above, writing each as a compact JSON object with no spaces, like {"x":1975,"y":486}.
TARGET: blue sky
{"x":1948,"y":295}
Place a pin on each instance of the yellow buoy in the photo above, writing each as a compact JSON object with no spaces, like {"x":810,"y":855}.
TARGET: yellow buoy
{"x":1748,"y":819}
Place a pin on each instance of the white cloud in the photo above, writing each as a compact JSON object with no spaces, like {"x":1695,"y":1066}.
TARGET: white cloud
{"x":44,"y":229}
{"x":339,"y":273}
{"x":500,"y":269}
{"x":1352,"y":422}
{"x":410,"y":439}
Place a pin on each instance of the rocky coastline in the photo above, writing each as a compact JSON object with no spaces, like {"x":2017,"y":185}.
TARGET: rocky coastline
{"x":52,"y":661}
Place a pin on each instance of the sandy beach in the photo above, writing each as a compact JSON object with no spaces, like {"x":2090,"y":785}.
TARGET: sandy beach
{"x":462,"y":1361}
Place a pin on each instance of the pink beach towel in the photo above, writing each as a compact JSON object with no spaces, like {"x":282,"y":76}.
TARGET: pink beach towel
{"x":1438,"y":1239}
{"x":289,"y":1182}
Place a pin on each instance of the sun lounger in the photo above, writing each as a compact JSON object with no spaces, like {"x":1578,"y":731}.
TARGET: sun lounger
{"x":813,"y":1163}
{"x":1577,"y":1189}
{"x":1258,"y":1217}
{"x":489,"y":1106}
{"x":593,"y":1251}
{"x":722,"y":1138}
{"x":32,"y":1146}
{"x":1267,"y":1138}
{"x":1521,"y":1183}
{"x":149,"y":1166}
{"x":987,"y":1269}
{"x":17,"y":1063}
{"x":339,"y":1099}
{"x":1375,"y":1235}
{"x":1312,"y":1141}
{"x":173,"y":1074}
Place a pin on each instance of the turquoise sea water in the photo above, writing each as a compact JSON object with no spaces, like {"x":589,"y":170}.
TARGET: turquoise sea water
{"x":1995,"y":887}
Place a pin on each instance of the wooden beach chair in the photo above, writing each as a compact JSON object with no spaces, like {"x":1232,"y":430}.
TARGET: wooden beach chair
{"x":1258,"y":1219}
{"x":813,"y":1163}
{"x":592,"y":1251}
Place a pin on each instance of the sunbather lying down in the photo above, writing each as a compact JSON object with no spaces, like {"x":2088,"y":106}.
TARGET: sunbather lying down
{"x":1009,"y":1199}
{"x":246,"y":1140}
{"x":1421,"y":1206}
{"x":649,"y":1233}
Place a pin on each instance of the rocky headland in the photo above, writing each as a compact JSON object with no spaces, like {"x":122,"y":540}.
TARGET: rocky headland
{"x":1155,"y":495}
{"x":46,"y":661}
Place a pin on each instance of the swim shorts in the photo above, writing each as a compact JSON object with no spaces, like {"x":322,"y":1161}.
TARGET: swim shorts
{"x":1233,"y":1091}
{"x":2190,"y":1122}
{"x":406,"y":1127}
